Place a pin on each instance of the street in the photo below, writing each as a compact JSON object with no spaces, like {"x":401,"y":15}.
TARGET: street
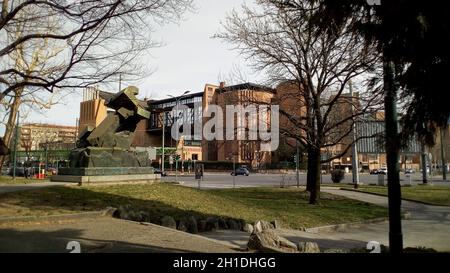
{"x":225,"y":180}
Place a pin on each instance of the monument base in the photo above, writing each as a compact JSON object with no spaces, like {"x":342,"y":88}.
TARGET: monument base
{"x":98,"y":179}
{"x":105,"y":171}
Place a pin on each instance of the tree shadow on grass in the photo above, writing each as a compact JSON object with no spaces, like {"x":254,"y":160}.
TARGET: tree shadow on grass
{"x":57,"y":200}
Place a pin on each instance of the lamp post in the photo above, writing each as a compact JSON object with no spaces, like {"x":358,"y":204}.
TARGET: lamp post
{"x":297,"y":164}
{"x":176,"y":144}
{"x":443,"y":161}
{"x":16,"y":138}
{"x":355,"y":167}
{"x":163,"y":139}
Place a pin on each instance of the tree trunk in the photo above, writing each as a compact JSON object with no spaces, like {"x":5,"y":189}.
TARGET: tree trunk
{"x":10,"y":125}
{"x":313,"y":176}
{"x":310,"y":168}
{"x":392,"y":154}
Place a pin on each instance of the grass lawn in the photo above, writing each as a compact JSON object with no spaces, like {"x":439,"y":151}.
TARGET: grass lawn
{"x":8,"y":180}
{"x":290,"y":206}
{"x":434,"y":195}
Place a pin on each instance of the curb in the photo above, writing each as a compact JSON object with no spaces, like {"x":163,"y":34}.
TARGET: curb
{"x":57,"y":217}
{"x":343,"y":227}
{"x":405,"y":199}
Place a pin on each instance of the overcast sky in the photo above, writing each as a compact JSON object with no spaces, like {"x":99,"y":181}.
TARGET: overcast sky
{"x":189,"y":60}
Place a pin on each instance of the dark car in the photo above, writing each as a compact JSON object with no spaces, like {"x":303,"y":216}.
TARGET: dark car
{"x":20,"y":171}
{"x":409,"y":171}
{"x":374,"y":171}
{"x":158,"y":171}
{"x":241,"y":171}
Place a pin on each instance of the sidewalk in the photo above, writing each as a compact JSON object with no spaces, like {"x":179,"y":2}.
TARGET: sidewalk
{"x":429,"y":226}
{"x":103,"y":234}
{"x":31,"y":186}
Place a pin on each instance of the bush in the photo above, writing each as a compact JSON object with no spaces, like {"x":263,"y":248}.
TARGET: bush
{"x":337,"y":176}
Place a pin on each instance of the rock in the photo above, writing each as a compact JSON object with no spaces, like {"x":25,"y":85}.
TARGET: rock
{"x":201,"y":225}
{"x":242,"y":223}
{"x":212,"y":224}
{"x":276,"y":224}
{"x":336,"y":250}
{"x":268,"y":241}
{"x":144,"y":216}
{"x":110,"y":211}
{"x":122,"y":212}
{"x":168,"y":221}
{"x":192,"y":225}
{"x":248,"y":228}
{"x":262,"y":225}
{"x":132,"y":215}
{"x":182,"y":226}
{"x":222,"y":224}
{"x":232,"y":224}
{"x":308,"y":247}
{"x":239,"y":225}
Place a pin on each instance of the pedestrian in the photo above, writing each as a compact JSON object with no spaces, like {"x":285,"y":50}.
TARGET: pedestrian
{"x":26,"y":172}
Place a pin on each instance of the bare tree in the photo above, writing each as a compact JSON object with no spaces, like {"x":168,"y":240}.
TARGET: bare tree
{"x":60,"y":45}
{"x":316,"y":69}
{"x":100,"y":39}
{"x":37,"y":56}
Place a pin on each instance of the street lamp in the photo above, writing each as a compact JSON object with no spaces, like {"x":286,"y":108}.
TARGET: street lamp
{"x":176,"y":145}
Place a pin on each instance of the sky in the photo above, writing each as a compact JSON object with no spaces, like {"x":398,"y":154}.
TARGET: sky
{"x":189,"y":60}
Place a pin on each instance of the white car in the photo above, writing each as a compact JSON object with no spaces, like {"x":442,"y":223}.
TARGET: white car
{"x":383,"y":170}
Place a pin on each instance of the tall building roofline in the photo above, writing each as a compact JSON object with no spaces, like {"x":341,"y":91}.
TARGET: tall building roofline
{"x":247,"y":85}
{"x":187,"y":96}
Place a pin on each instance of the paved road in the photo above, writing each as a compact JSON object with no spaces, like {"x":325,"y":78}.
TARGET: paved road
{"x":429,"y":226}
{"x":225,"y":180}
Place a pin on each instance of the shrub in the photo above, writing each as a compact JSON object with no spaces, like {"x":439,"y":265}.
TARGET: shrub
{"x":337,"y":176}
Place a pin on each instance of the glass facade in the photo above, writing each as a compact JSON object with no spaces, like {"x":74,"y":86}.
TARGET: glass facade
{"x":168,"y":110}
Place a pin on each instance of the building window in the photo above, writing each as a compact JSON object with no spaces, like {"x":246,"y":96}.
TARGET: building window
{"x":194,"y":156}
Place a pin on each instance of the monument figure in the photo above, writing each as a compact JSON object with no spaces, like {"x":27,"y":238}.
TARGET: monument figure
{"x":106,"y":150}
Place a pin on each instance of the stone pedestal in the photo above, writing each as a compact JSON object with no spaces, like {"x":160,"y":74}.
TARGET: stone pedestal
{"x":106,"y":175}
{"x":98,"y":179}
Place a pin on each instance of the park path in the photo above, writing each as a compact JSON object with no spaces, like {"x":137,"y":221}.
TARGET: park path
{"x":428,"y":226}
{"x":4,"y":188}
{"x":102,"y":234}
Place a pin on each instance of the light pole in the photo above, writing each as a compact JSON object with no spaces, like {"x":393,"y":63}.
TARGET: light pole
{"x":176,"y":144}
{"x":163,"y":139}
{"x":297,"y":165}
{"x":234,"y":172}
{"x":355,"y":167}
{"x":16,"y":137}
{"x":443,"y":161}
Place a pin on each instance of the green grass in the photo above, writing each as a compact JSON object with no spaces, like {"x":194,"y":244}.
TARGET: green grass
{"x":8,"y":180}
{"x":434,"y":195}
{"x":290,"y":206}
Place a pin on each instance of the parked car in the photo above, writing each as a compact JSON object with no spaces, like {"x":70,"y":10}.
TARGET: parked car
{"x":6,"y":170}
{"x":383,"y":170}
{"x":20,"y":171}
{"x":374,"y":171}
{"x":158,"y":171}
{"x":52,"y":171}
{"x":409,"y":171}
{"x":241,"y":171}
